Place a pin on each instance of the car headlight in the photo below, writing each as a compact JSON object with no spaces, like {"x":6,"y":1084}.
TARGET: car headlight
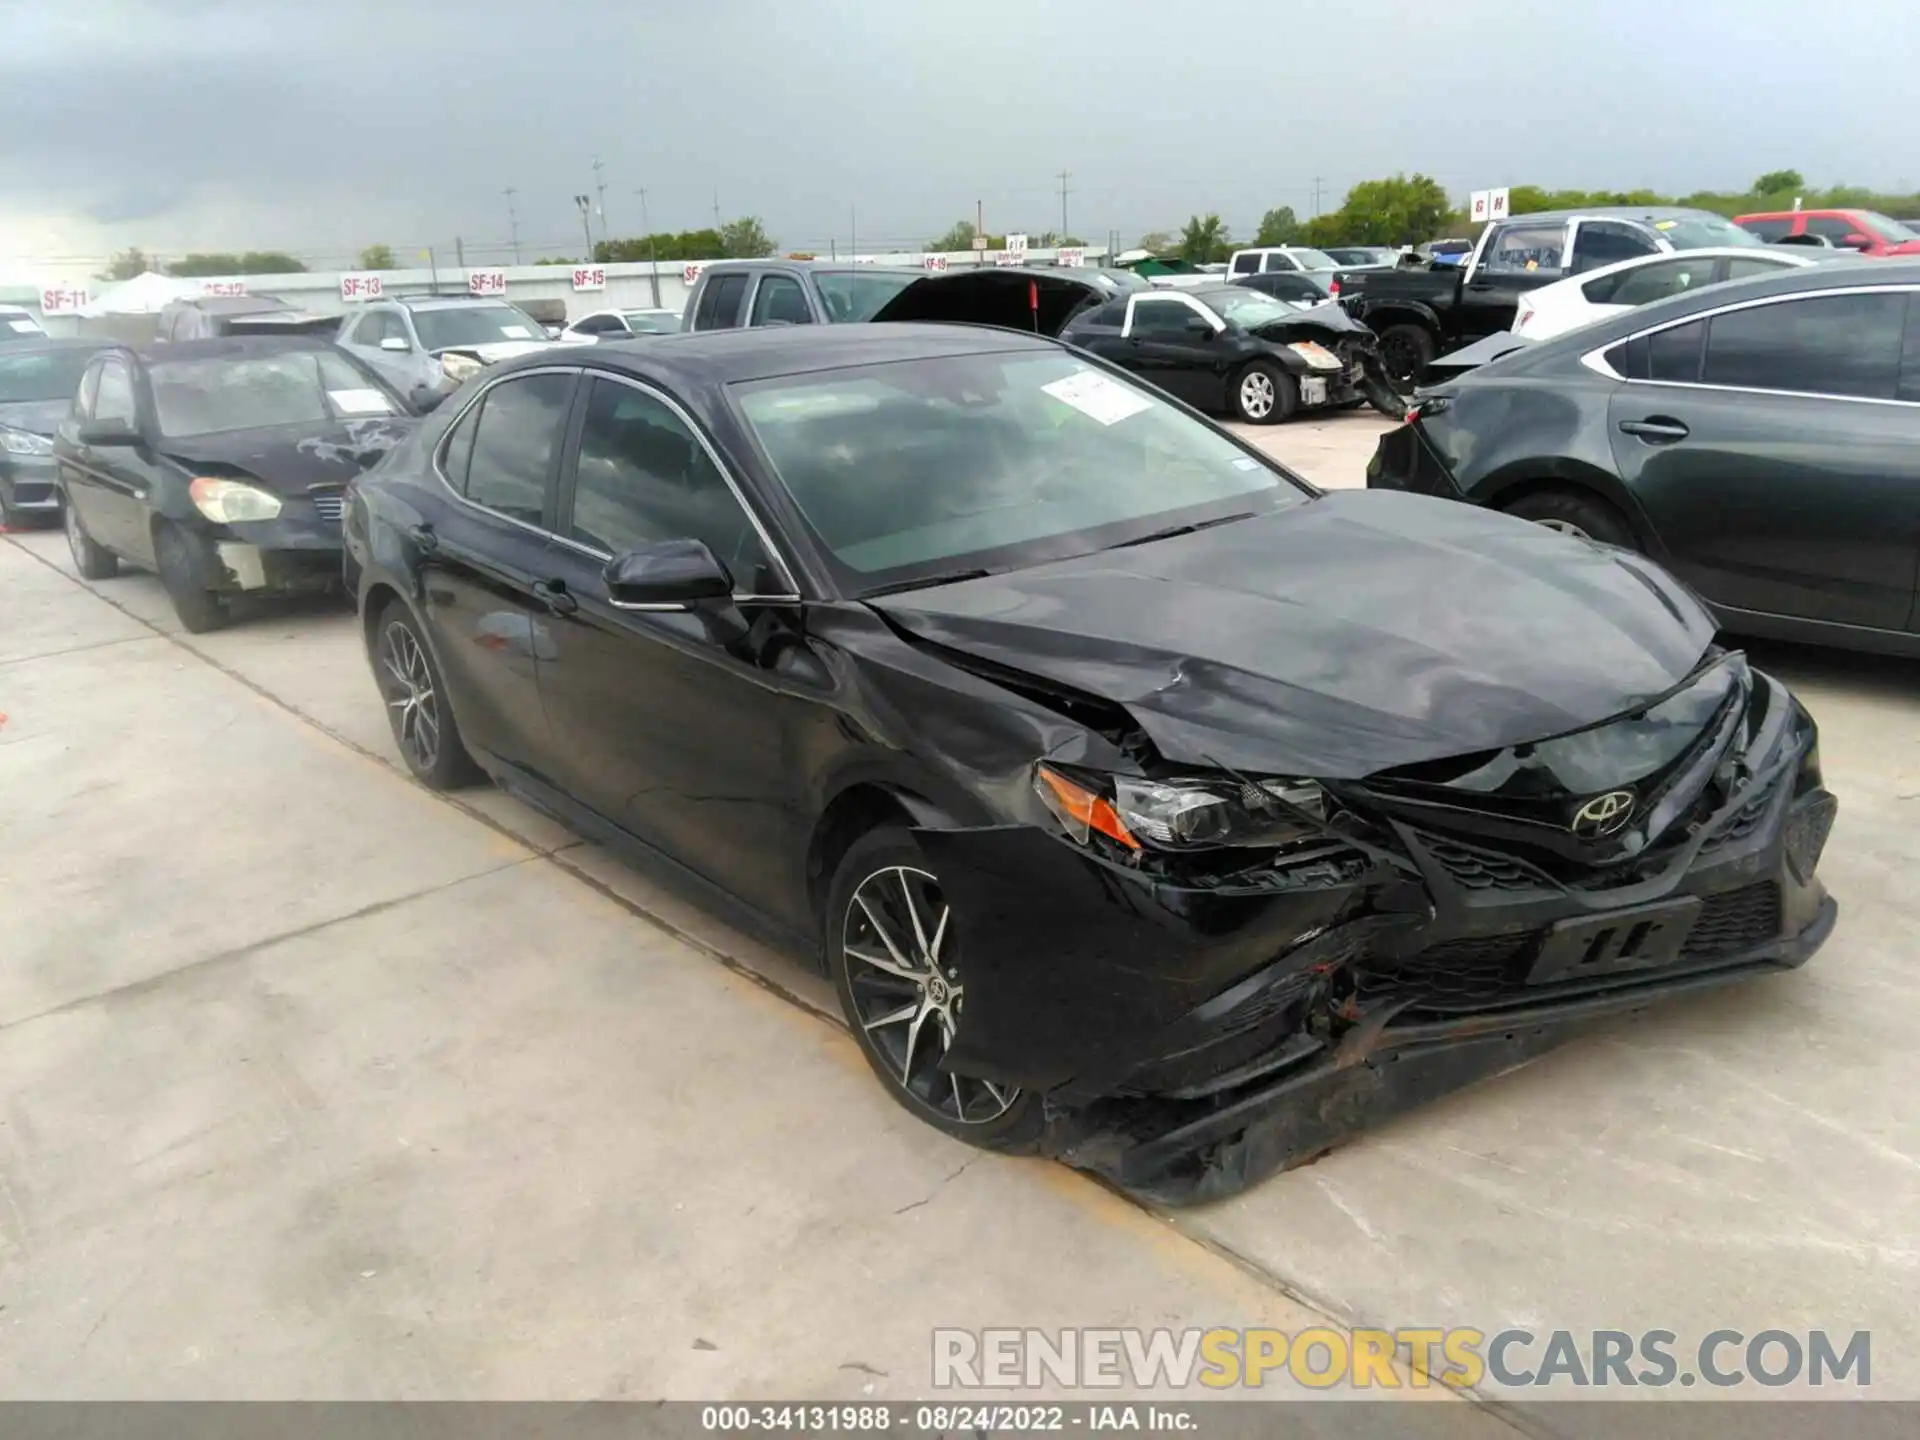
{"x":460,"y":367}
{"x":1185,"y":814}
{"x":232,"y":502}
{"x":22,"y":442}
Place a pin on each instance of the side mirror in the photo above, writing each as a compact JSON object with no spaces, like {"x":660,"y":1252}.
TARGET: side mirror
{"x":396,"y":344}
{"x":108,"y":432}
{"x":669,"y":575}
{"x":425,"y":398}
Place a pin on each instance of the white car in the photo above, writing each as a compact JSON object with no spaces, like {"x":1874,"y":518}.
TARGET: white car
{"x":1594,"y":294}
{"x":619,"y":324}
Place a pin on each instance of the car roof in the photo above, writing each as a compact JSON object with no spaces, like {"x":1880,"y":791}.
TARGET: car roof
{"x":442,"y":302}
{"x":229,"y":345}
{"x":757,"y":353}
{"x":1810,"y":210}
{"x":1621,"y":212}
{"x":1787,"y":257}
{"x":230,"y":304}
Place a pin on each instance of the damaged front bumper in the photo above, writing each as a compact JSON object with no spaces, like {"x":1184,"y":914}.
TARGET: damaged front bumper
{"x":1191,"y":1039}
{"x":299,"y":552}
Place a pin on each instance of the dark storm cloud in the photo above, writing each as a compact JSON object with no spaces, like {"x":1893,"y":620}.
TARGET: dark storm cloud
{"x":334,"y":123}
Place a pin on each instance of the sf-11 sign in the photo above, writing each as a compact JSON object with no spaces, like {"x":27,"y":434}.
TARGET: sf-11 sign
{"x":62,"y":299}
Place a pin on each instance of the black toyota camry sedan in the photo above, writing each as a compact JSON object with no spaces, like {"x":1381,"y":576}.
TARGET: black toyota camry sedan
{"x":219,"y":464}
{"x":1146,"y":806}
{"x":1760,"y":439}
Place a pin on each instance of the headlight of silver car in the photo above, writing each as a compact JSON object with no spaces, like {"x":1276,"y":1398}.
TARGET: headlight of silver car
{"x":1184,"y":814}
{"x":23,"y":442}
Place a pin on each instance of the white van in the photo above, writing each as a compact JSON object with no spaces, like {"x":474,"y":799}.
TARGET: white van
{"x":1279,"y":257}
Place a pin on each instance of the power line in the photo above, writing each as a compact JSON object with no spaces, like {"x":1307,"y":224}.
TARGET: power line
{"x":513,"y":223}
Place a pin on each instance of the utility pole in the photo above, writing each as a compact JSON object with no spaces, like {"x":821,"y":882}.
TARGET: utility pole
{"x":459,"y":253}
{"x":600,"y":193}
{"x":585,"y":204}
{"x":1064,"y":232}
{"x":716,"y":208}
{"x":979,"y":228}
{"x":653,"y":250}
{"x":513,"y":222}
{"x":853,"y":235}
{"x":1316,"y":196}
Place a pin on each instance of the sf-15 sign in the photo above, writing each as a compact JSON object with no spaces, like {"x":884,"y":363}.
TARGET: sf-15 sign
{"x":590,"y":277}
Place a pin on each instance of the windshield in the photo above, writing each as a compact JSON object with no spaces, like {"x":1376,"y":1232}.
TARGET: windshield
{"x":1251,"y":309}
{"x":475,"y":325}
{"x":652,"y":322}
{"x":1700,"y":232}
{"x":1313,"y":259}
{"x":301,"y":387}
{"x":996,"y":461}
{"x":851,"y":296}
{"x":42,"y":375}
{"x":1889,"y":228}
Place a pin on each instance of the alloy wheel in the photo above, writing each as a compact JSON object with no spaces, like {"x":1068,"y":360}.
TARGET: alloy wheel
{"x":407,"y":683}
{"x":903,"y":972}
{"x":1256,"y":396}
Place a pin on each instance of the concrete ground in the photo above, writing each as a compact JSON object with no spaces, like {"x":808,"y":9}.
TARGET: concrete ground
{"x":313,"y":1084}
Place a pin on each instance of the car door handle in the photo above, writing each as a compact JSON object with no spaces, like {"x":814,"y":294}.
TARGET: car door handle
{"x":1656,"y":429}
{"x":554,"y":595}
{"x":423,"y":538}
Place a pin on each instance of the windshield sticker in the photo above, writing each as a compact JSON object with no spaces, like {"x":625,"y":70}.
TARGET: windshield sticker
{"x":24,"y":327}
{"x":516,"y":332}
{"x":1098,"y":396}
{"x":1665,"y":224}
{"x":1246,"y":463}
{"x":360,"y":402}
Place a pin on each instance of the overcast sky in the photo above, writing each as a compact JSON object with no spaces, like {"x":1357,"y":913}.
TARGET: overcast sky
{"x":320,"y":126}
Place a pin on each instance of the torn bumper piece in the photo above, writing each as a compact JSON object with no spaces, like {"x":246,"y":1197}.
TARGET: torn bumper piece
{"x":298,"y":554}
{"x":1190,"y":1041}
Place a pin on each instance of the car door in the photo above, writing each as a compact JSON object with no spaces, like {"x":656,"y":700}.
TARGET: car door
{"x":1599,"y":243}
{"x":671,"y":724}
{"x":1772,"y":452}
{"x":482,"y":547}
{"x":113,"y":480}
{"x":1171,"y":342}
{"x":1516,"y":257}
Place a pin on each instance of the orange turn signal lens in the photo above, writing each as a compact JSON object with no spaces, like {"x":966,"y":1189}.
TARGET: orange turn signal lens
{"x":1079,"y":809}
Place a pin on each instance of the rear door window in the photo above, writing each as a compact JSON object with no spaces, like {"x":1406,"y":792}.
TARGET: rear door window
{"x":1606,"y":242}
{"x":780,"y":301}
{"x":1246,"y":264}
{"x":719,"y":307}
{"x":1812,"y":345}
{"x":514,"y":445}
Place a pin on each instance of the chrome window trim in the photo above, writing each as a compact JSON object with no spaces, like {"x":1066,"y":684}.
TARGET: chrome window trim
{"x":1596,"y":361}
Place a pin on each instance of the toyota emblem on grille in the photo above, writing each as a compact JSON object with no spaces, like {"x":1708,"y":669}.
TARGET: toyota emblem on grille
{"x":1603,"y":815}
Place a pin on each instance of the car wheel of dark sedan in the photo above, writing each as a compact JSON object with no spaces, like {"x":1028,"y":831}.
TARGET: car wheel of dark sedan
{"x":1264,"y":394}
{"x":896,"y":962}
{"x":1406,"y":351}
{"x":93,"y":562}
{"x":1573,"y":514}
{"x":417,"y":709}
{"x":199,"y":609}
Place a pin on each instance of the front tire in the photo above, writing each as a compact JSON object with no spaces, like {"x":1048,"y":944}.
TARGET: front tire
{"x":91,"y":560}
{"x":417,"y":710}
{"x":896,"y":964}
{"x":1586,"y":517}
{"x":199,"y":609}
{"x":1264,"y":394}
{"x":1405,"y":352}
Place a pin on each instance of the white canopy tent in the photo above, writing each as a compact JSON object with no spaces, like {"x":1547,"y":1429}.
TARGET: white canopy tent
{"x":144,"y":294}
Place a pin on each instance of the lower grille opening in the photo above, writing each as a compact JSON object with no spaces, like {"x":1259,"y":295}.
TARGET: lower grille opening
{"x":1733,"y":921}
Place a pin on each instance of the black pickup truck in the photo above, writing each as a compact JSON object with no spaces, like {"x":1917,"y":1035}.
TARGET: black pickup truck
{"x":1423,"y":311}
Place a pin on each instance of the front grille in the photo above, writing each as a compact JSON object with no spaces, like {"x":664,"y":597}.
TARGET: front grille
{"x":1483,"y":869}
{"x":1479,"y":967}
{"x":1734,"y":921}
{"x":330,"y":506}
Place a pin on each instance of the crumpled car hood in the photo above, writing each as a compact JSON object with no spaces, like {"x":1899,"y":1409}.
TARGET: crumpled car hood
{"x":496,"y":351}
{"x":1358,"y":631}
{"x":290,"y":458}
{"x":1313,"y":324}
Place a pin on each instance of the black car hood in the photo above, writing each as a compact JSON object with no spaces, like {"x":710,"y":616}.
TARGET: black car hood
{"x":1038,"y":301}
{"x":292,"y":458}
{"x":1358,"y":631}
{"x":1315,"y":323}
{"x":42,"y":417}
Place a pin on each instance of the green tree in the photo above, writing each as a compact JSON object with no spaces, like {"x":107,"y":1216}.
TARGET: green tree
{"x":1325,"y":230}
{"x":377,"y":257}
{"x":959,"y":236}
{"x":567,"y":259}
{"x":1278,"y":226}
{"x":1203,"y":241}
{"x":251,"y":262}
{"x":745,"y":239}
{"x":128,"y":263}
{"x":1400,"y":210}
{"x":1780,"y":182}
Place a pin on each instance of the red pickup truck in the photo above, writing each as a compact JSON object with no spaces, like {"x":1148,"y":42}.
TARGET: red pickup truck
{"x":1862,"y":230}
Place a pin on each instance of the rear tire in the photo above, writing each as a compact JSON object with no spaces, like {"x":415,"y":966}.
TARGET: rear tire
{"x":199,"y":609}
{"x":1264,"y":394}
{"x":1570,"y":512}
{"x":417,"y":709}
{"x":1406,"y":351}
{"x":897,"y":967}
{"x":91,"y":560}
